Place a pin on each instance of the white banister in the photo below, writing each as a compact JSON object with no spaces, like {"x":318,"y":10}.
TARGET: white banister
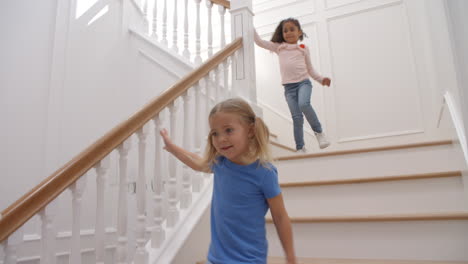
{"x":243,"y":64}
{"x":77,"y":190}
{"x":173,"y":213}
{"x":222,"y":12}
{"x":197,"y":182}
{"x":11,"y":246}
{"x":155,"y":20}
{"x":209,"y":6}
{"x":217,"y":86}
{"x":145,"y":16}
{"x":164,"y":25}
{"x":122,"y":212}
{"x":101,"y":169}
{"x":186,"y":52}
{"x":198,"y":59}
{"x":175,"y":28}
{"x":48,"y":233}
{"x":141,"y":256}
{"x":186,"y":196}
{"x":158,"y":234}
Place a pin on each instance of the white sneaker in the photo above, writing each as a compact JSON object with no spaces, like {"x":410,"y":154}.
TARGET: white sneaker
{"x":303,"y":150}
{"x":322,"y":140}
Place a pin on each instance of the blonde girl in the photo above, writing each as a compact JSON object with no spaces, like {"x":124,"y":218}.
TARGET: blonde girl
{"x":245,"y":185}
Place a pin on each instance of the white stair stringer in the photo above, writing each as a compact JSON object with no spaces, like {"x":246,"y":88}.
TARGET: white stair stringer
{"x":176,"y":236}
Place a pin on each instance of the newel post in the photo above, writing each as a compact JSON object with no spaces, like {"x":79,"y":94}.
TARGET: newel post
{"x":243,"y":64}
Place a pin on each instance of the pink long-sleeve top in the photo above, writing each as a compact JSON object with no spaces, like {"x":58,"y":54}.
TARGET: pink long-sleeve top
{"x":294,"y":60}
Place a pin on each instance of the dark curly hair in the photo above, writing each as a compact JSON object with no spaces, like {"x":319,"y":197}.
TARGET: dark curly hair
{"x":278,"y":35}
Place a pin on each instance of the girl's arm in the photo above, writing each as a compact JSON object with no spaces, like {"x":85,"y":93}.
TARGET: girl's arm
{"x":188,"y":158}
{"x":283,"y":226}
{"x":311,"y":70}
{"x":272,"y":46}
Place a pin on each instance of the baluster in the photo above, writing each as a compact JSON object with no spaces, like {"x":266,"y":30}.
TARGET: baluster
{"x":77,"y":190}
{"x":209,"y":5}
{"x":2,"y":248}
{"x":175,"y":29}
{"x":217,"y":86}
{"x":145,"y":16}
{"x":186,"y":197}
{"x":164,"y":25}
{"x":197,"y":182}
{"x":208,"y":92}
{"x":158,"y":234}
{"x":186,"y":52}
{"x":11,"y":246}
{"x":155,"y":21}
{"x":48,"y":234}
{"x":173,"y":213}
{"x":222,"y":12}
{"x":141,"y":256}
{"x":122,"y":211}
{"x":101,"y":169}
{"x":198,"y":59}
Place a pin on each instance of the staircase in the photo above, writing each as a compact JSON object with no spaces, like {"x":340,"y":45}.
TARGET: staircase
{"x":396,"y":204}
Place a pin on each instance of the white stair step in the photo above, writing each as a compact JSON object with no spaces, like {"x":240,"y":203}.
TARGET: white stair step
{"x":440,"y":240}
{"x":397,"y":196}
{"x":369,"y":163}
{"x":281,"y":260}
{"x":278,"y":149}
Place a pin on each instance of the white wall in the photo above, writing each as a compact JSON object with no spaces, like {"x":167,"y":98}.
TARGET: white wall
{"x":381,"y":56}
{"x":69,"y":72}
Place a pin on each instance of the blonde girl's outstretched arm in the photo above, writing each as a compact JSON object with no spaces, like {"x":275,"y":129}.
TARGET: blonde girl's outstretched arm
{"x":188,"y":158}
{"x":283,"y":227}
{"x":272,"y":46}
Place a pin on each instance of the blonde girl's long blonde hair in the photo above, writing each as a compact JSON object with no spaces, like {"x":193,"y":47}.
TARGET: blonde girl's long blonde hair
{"x":259,"y":146}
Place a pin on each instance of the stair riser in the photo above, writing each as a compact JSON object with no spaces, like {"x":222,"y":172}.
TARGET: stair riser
{"x":400,"y":197}
{"x":410,"y":240}
{"x":371,"y":164}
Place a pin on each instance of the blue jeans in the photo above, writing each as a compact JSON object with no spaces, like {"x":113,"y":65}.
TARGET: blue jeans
{"x":298,"y":99}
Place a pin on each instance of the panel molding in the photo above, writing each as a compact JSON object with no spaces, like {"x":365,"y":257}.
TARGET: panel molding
{"x":412,"y":65}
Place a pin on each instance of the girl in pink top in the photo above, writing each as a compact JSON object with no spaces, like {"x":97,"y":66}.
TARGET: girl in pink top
{"x":295,"y":68}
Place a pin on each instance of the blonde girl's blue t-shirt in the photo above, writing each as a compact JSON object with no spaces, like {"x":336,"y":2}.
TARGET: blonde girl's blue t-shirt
{"x":238,"y":208}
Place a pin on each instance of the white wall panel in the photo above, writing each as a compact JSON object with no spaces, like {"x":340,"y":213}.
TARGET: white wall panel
{"x":376,"y":86}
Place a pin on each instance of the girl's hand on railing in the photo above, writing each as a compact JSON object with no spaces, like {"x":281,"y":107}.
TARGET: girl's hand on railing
{"x":168,"y":145}
{"x":326,"y":81}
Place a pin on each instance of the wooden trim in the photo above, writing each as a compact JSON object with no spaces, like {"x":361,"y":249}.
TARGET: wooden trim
{"x":282,"y":260}
{"x":32,"y":202}
{"x":380,"y":218}
{"x":375,"y":179}
{"x":364,"y":150}
{"x":282,"y":146}
{"x":225,"y":3}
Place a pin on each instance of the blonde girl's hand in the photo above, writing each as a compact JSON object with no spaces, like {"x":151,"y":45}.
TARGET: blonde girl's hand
{"x":326,"y":81}
{"x":167,"y":140}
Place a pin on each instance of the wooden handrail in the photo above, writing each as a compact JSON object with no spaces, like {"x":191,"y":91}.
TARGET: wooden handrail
{"x":32,"y":202}
{"x":225,"y":3}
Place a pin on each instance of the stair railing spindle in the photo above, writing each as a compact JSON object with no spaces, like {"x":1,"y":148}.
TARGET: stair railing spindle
{"x":198,"y":59}
{"x":77,"y":190}
{"x":101,"y":170}
{"x":155,"y":21}
{"x":158,"y":235}
{"x":209,"y":6}
{"x":122,"y":212}
{"x":141,"y":256}
{"x":173,"y":213}
{"x":175,"y":28}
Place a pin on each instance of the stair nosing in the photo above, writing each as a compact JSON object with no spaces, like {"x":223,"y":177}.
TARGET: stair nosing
{"x":461,"y":215}
{"x":428,"y":175}
{"x":365,"y":150}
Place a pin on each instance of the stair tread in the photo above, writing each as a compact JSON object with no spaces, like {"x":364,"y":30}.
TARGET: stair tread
{"x":365,"y":150}
{"x":280,"y":260}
